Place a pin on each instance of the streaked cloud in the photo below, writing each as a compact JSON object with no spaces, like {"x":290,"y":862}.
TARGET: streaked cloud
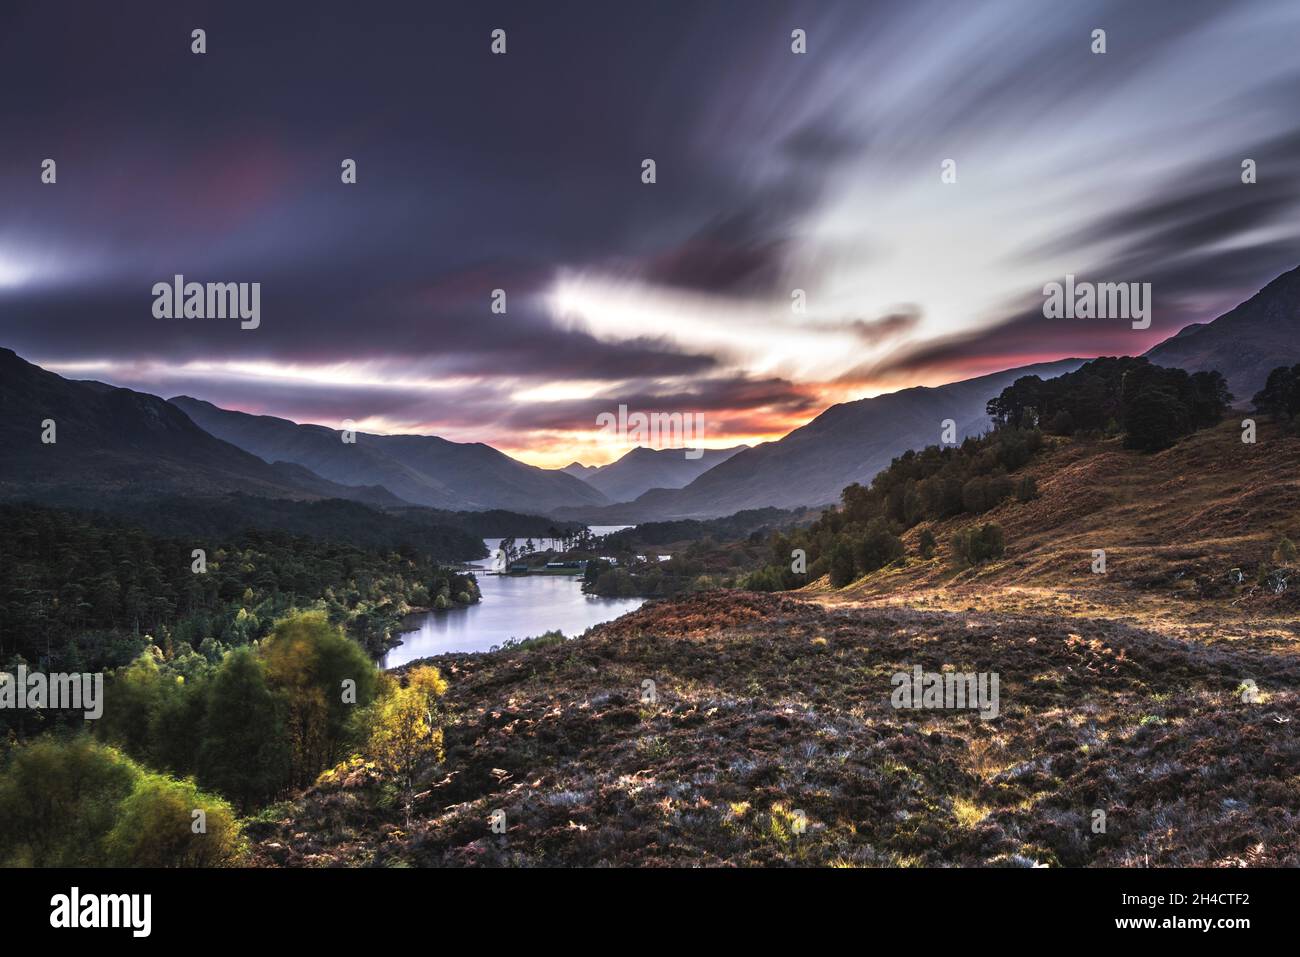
{"x":776,"y":172}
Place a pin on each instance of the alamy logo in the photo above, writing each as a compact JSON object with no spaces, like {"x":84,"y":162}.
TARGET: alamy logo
{"x":947,"y":689}
{"x":1103,"y":300}
{"x":103,"y":910}
{"x":179,"y":299}
{"x":655,"y":429}
{"x":79,"y":692}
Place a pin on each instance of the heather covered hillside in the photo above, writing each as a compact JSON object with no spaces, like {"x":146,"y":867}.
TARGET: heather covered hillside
{"x":1201,"y":520}
{"x":1162,"y":693}
{"x":770,"y":705}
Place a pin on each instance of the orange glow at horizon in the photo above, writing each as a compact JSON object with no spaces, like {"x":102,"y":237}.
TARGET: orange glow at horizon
{"x":550,"y":448}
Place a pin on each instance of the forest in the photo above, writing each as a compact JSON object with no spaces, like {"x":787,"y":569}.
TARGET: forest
{"x":235,"y":671}
{"x":447,"y":536}
{"x":87,"y":593}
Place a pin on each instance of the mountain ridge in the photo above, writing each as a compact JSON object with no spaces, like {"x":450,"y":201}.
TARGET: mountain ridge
{"x":848,"y":442}
{"x":114,"y":439}
{"x":420,"y":469}
{"x":1245,"y":343}
{"x":642,"y":469}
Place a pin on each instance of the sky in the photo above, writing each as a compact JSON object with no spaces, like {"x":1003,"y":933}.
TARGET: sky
{"x":775,"y":171}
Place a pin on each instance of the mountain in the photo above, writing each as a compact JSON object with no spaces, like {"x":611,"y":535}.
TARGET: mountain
{"x":1244,"y":344}
{"x":643,"y":469}
{"x":120,"y":443}
{"x":852,"y":441}
{"x":580,"y":471}
{"x":849,"y":442}
{"x":420,"y":469}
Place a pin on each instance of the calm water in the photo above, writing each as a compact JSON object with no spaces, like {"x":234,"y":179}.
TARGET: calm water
{"x":513,"y":606}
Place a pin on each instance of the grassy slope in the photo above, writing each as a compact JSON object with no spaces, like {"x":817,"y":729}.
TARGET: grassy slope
{"x":1118,"y":692}
{"x":1173,"y":526}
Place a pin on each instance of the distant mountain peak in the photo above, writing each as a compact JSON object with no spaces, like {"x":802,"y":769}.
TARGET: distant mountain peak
{"x":641,"y":469}
{"x":580,"y":471}
{"x":1245,"y":343}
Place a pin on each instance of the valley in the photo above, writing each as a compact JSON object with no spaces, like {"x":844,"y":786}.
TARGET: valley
{"x":1128,"y":694}
{"x":1104,"y":556}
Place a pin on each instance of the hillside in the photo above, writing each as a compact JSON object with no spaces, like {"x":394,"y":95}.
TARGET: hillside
{"x":420,"y":469}
{"x":1120,"y":693}
{"x":1173,"y":525}
{"x":849,"y":442}
{"x":116,"y":443}
{"x":1244,"y":344}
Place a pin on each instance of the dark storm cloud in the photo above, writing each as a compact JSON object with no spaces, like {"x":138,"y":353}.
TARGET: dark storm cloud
{"x":1204,"y":205}
{"x":1024,"y":338}
{"x":478,"y":172}
{"x":717,"y":261}
{"x":225,"y":167}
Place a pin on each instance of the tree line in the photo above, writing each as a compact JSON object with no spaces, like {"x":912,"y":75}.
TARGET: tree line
{"x":1151,"y":405}
{"x":81,"y":593}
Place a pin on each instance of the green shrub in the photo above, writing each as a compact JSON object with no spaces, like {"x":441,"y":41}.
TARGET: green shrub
{"x":1027,"y":489}
{"x":133,"y":696}
{"x":1155,"y":420}
{"x":878,"y":547}
{"x":245,"y":750}
{"x":767,"y":578}
{"x":73,"y":802}
{"x":842,"y":568}
{"x":58,"y":801}
{"x":1280,"y":396}
{"x":308,"y":661}
{"x":176,"y":731}
{"x":544,"y":640}
{"x":164,"y":822}
{"x":978,"y":544}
